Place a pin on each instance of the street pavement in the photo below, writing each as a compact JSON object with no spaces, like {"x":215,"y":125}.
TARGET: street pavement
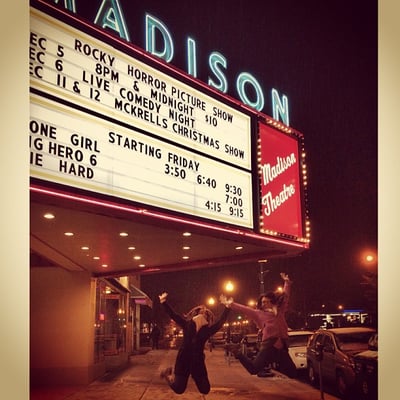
{"x":141,"y":381}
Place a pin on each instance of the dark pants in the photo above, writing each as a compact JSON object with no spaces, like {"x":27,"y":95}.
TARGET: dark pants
{"x":267,"y":355}
{"x":180,"y":383}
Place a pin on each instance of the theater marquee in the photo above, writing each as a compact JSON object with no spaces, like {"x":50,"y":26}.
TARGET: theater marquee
{"x":106,"y":121}
{"x":110,"y":119}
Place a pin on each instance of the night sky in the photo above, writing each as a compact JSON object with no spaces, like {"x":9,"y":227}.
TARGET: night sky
{"x":323,"y":56}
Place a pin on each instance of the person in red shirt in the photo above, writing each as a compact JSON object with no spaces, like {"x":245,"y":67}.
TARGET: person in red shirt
{"x":270,"y":318}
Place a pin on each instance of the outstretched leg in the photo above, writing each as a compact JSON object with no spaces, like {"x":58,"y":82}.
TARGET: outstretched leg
{"x":202,"y":383}
{"x":177,"y":383}
{"x":264,"y":357}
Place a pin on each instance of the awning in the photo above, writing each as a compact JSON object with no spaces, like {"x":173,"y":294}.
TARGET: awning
{"x":138,"y":296}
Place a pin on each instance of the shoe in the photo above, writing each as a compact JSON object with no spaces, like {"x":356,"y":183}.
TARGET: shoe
{"x":265,"y":373}
{"x":166,"y":373}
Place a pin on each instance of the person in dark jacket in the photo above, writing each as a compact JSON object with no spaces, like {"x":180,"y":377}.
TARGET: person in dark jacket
{"x":155,"y":336}
{"x":197,"y":327}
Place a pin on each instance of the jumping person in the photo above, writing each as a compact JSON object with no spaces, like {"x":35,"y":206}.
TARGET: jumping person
{"x":270,"y":318}
{"x":197,"y":327}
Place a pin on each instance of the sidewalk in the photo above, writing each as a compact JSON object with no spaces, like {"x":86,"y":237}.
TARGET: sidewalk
{"x":141,"y":381}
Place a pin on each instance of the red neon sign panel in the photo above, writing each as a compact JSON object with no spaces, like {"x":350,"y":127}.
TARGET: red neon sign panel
{"x":279,"y":168}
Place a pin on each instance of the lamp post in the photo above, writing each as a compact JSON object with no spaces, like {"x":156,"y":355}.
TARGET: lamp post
{"x":369,"y":261}
{"x":263,"y":271}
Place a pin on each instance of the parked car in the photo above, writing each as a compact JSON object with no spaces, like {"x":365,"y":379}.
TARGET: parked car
{"x":250,"y":344}
{"x":331,"y":352}
{"x":219,"y":338}
{"x":366,"y":366}
{"x":297,"y":344}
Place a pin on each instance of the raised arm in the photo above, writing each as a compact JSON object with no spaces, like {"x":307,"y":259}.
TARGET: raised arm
{"x":221,"y":320}
{"x":248,"y":311}
{"x":173,"y":315}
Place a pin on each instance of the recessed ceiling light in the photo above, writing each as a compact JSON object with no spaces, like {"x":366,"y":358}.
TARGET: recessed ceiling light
{"x":186,"y":234}
{"x":131,"y":248}
{"x":239,"y":248}
{"x":68,"y":234}
{"x":137,"y":258}
{"x":123,"y":234}
{"x":186,"y":247}
{"x":96,"y":258}
{"x":85,"y":248}
{"x":142,"y":265}
{"x":185,"y":257}
{"x":49,"y":216}
{"x":104,"y":265}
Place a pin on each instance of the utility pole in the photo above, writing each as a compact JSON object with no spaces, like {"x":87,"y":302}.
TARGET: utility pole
{"x":263,"y":271}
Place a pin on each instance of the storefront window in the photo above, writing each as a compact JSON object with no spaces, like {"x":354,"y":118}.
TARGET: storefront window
{"x":110,"y":321}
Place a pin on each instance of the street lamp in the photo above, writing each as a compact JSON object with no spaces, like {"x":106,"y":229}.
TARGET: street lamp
{"x":229,"y":286}
{"x":211,"y":301}
{"x":369,"y":282}
{"x":252,"y":303}
{"x":369,"y":258}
